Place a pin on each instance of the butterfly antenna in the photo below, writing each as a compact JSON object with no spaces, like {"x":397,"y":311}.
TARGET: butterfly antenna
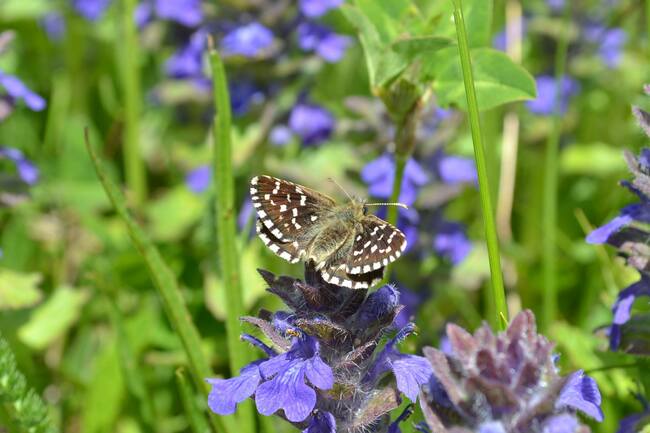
{"x":340,"y":187}
{"x":388,"y":204}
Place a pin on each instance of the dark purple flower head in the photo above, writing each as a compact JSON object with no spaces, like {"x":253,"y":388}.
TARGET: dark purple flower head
{"x":317,"y":8}
{"x":198,"y":180}
{"x":379,"y":175}
{"x":312,"y":123}
{"x":544,"y":104}
{"x":54,"y":25}
{"x":451,"y":242}
{"x":323,"y":372}
{"x":26,"y":169}
{"x":248,"y":40}
{"x":187,"y":62}
{"x":328,"y":45}
{"x":16,"y":89}
{"x":243,"y":95}
{"x":506,"y":382}
{"x":91,"y":9}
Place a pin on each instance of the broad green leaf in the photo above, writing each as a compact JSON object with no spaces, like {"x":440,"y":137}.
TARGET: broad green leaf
{"x":23,"y":9}
{"x":19,"y":290}
{"x":498,"y":80}
{"x":171,"y":215}
{"x":593,"y":159}
{"x":411,"y":48}
{"x":52,"y":319}
{"x":478,"y":20}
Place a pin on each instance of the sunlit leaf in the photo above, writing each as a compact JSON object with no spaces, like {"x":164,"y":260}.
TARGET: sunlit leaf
{"x":19,"y":290}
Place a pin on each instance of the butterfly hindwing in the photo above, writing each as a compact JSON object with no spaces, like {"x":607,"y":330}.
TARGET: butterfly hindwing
{"x":286,"y":250}
{"x":379,"y":244}
{"x":286,"y":208}
{"x":339,"y":277}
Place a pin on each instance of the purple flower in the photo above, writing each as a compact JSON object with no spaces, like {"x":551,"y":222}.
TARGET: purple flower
{"x":186,"y":12}
{"x":243,"y":94}
{"x":321,"y":422}
{"x":198,"y":180}
{"x":248,"y":40}
{"x":280,"y":135}
{"x":16,"y":89}
{"x":317,"y":8}
{"x":623,"y":307}
{"x":91,"y":9}
{"x":544,"y":104}
{"x":454,"y":170}
{"x":410,"y":371}
{"x":451,"y":242}
{"x":379,"y":175}
{"x":634,"y":423}
{"x":27,"y":171}
{"x":610,"y":43}
{"x":54,"y":25}
{"x":411,"y":301}
{"x":555,"y":5}
{"x":188,"y":61}
{"x":327,"y":44}
{"x":286,"y":388}
{"x":227,"y":393}
{"x":312,"y":123}
{"x":563,"y":423}
{"x":581,"y":393}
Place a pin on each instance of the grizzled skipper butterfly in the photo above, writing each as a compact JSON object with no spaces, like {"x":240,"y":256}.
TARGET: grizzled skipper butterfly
{"x":348,"y":247}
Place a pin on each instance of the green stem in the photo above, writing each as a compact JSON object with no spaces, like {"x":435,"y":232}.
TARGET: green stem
{"x":226,"y":228}
{"x":498,"y":298}
{"x":167,"y":286}
{"x":194,"y":416}
{"x":400,"y":164}
{"x":129,"y":53}
{"x":549,"y":222}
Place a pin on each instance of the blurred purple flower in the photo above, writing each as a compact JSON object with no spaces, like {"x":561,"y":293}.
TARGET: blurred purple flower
{"x":610,"y":42}
{"x":280,"y":135}
{"x":16,"y":89}
{"x":379,"y":175}
{"x":454,"y":170}
{"x":91,"y":9}
{"x":634,"y":212}
{"x":27,"y":171}
{"x":555,"y":5}
{"x":187,"y":62}
{"x":246,"y":215}
{"x":451,"y":242}
{"x":499,"y":40}
{"x":243,"y":94}
{"x":327,"y":44}
{"x":544,"y":104}
{"x":623,"y":306}
{"x":634,"y":423}
{"x":411,"y":302}
{"x":321,"y":422}
{"x":198,"y":180}
{"x":285,"y":387}
{"x":430,"y":121}
{"x":581,"y":392}
{"x":186,"y":12}
{"x":248,"y":40}
{"x":54,"y":25}
{"x":312,"y":123}
{"x":227,"y":393}
{"x":317,"y":8}
{"x":410,"y":371}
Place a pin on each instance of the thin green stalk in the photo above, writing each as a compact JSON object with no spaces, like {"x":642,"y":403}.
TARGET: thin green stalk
{"x":647,"y":22}
{"x":549,"y":222}
{"x":129,"y":58}
{"x":400,"y":165}
{"x":223,"y":178}
{"x":167,"y":287}
{"x":194,"y":416}
{"x":498,"y":298}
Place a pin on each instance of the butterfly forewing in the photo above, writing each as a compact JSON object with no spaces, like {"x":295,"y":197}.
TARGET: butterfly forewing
{"x":287,"y":250}
{"x":286,"y":208}
{"x":376,"y":246}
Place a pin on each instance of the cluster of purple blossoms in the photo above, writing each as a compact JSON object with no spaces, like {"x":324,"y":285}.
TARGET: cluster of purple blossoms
{"x":544,"y":103}
{"x":15,"y":90}
{"x":324,"y":369}
{"x":504,"y":383}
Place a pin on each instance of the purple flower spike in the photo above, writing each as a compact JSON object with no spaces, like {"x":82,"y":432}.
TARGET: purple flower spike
{"x":564,"y":423}
{"x":312,"y":123}
{"x":328,"y":45}
{"x":317,"y":8}
{"x":581,"y":392}
{"x":188,"y":61}
{"x":186,"y":12}
{"x":198,"y":180}
{"x":379,"y":175}
{"x":27,"y":171}
{"x":286,"y":388}
{"x":227,"y":393}
{"x":16,"y":89}
{"x":321,"y":422}
{"x":54,"y":25}
{"x":249,"y":40}
{"x":544,"y":104}
{"x":91,"y":9}
{"x":280,"y":135}
{"x":623,"y":306}
{"x":411,"y":371}
{"x":451,"y":242}
{"x":454,"y":170}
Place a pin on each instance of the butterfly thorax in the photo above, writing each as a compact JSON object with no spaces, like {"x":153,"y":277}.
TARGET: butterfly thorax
{"x":336,"y":228}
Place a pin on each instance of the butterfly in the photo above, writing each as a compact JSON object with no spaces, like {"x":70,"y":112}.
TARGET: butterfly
{"x":349,"y":247}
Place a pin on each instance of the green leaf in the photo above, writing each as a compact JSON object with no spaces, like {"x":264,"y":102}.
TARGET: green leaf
{"x":174,"y":213}
{"x":53,"y":318}
{"x":478,"y":20}
{"x":14,"y":10}
{"x":593,"y":159}
{"x":497,"y":78}
{"x":19,"y":290}
{"x":411,"y":48}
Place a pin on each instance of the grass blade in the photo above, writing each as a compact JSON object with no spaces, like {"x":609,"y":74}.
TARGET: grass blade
{"x":194,"y":416}
{"x":498,"y":297}
{"x":164,"y":280}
